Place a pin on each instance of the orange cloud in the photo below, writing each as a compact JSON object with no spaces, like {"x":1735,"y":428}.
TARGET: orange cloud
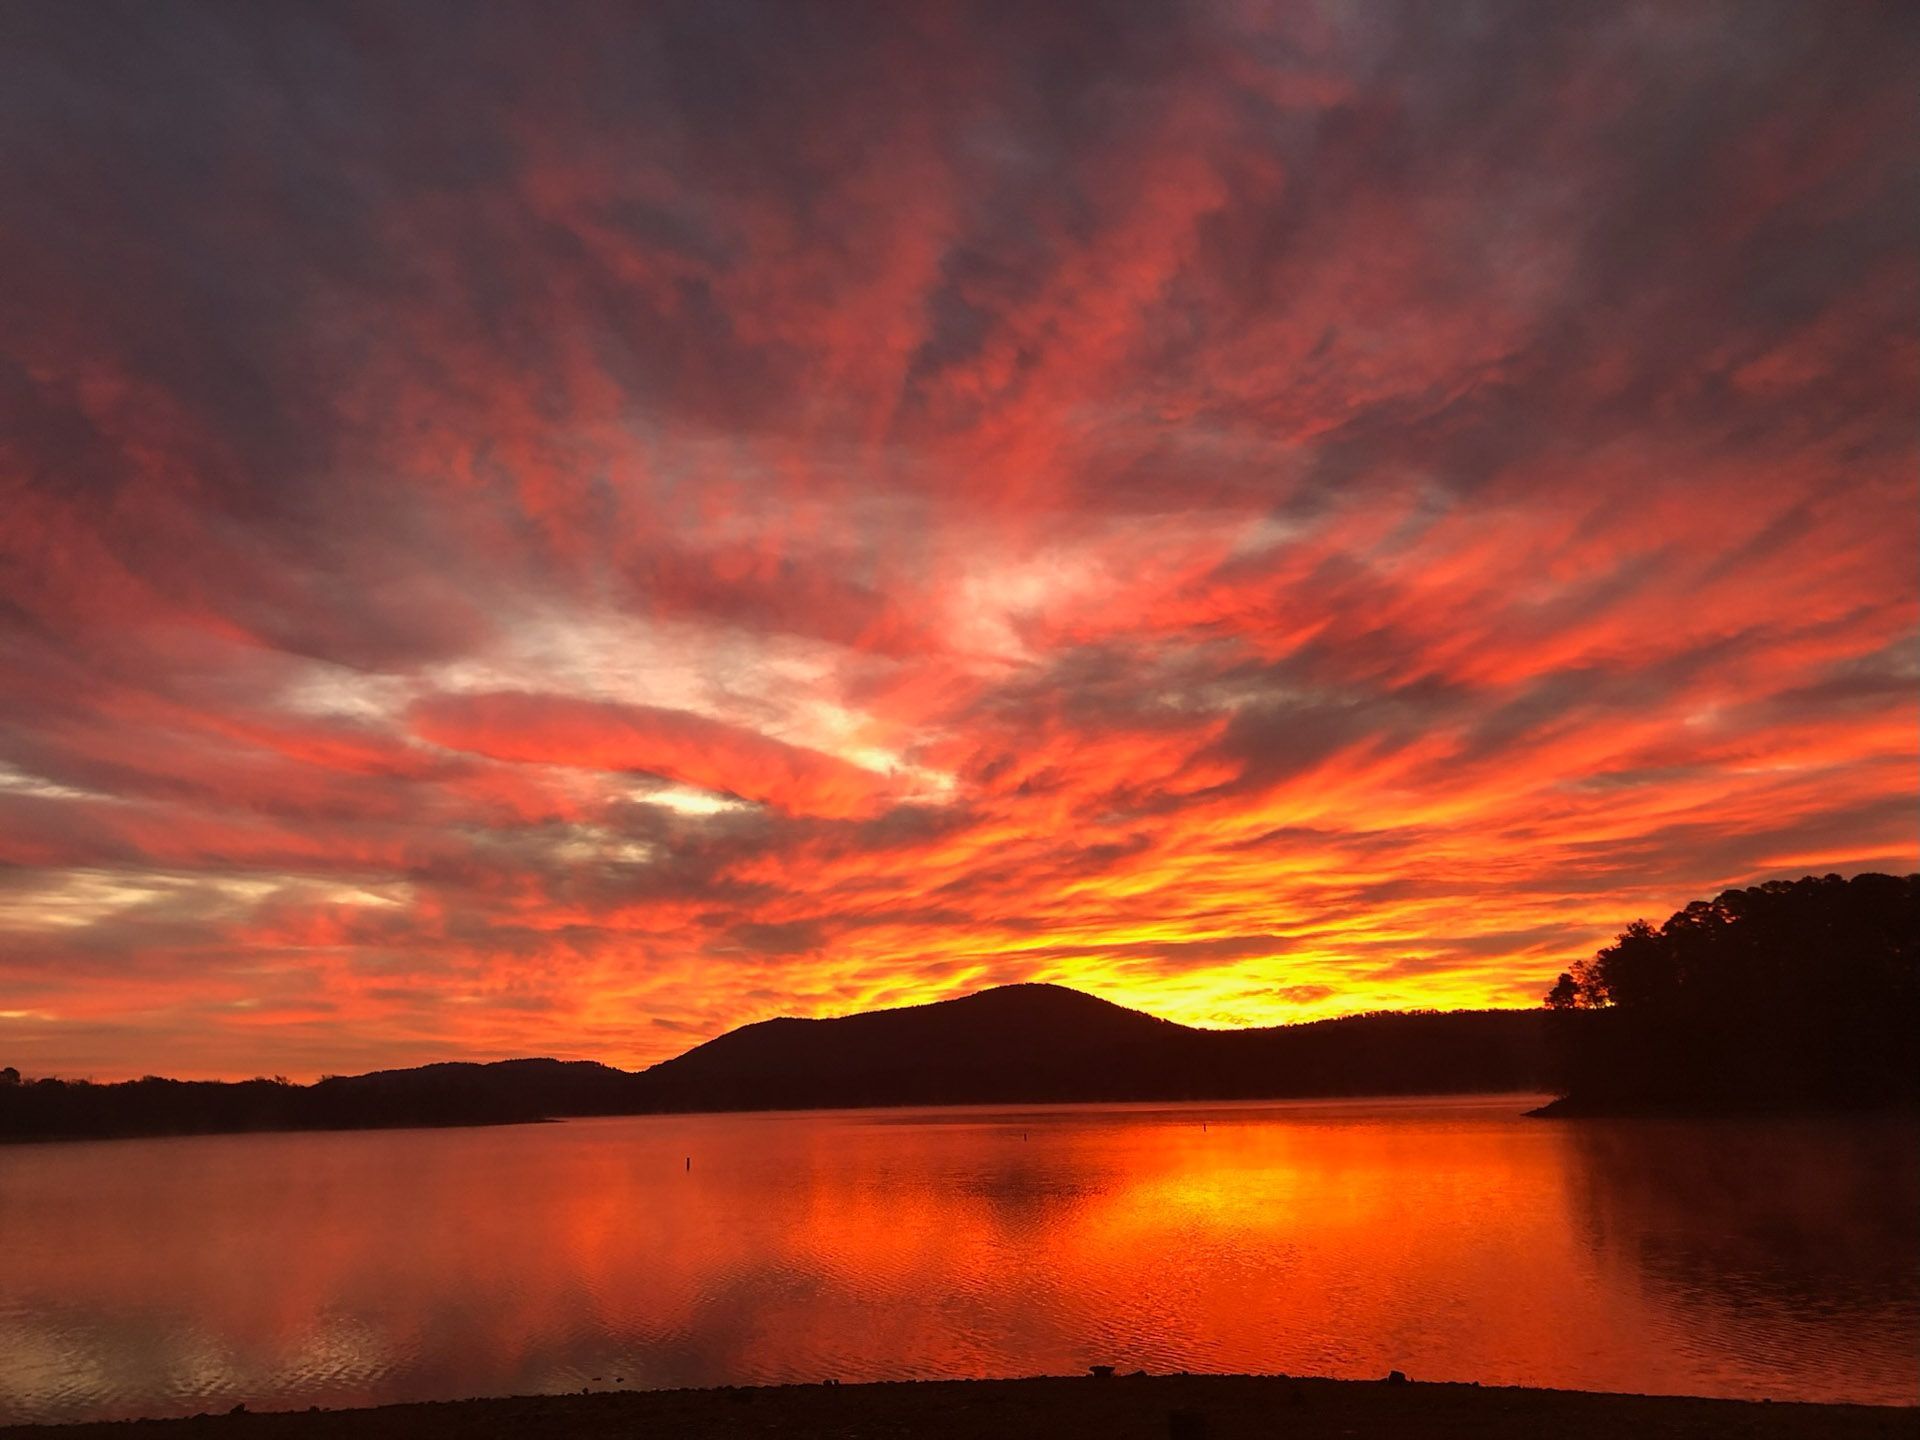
{"x":1256,"y":513}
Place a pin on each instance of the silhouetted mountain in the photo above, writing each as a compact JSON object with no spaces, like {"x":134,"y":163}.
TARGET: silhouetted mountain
{"x":52,"y":1109}
{"x":1789,"y":995}
{"x":1023,"y":1043}
{"x":532,"y":1088}
{"x":1015,"y":1044}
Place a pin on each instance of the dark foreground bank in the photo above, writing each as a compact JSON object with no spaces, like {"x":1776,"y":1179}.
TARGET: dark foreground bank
{"x":1161,"y":1407}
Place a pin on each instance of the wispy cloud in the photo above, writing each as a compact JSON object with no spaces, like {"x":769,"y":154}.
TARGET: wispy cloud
{"x":560,"y":529}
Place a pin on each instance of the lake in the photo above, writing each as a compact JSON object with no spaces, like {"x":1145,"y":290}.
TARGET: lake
{"x":1452,"y":1239}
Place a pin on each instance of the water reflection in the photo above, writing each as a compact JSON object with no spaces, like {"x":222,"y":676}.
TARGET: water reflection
{"x":1772,"y":1247}
{"x":1451,"y":1240}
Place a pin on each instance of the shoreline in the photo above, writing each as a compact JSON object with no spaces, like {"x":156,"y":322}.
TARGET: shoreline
{"x":1565,"y":1107}
{"x":1182,"y":1407}
{"x":561,"y":1118}
{"x":1582,"y":1107}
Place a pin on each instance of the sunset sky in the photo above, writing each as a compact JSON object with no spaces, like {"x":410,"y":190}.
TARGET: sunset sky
{"x":565,"y":528}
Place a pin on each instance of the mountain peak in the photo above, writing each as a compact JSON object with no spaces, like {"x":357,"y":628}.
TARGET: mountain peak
{"x":1015,"y":996}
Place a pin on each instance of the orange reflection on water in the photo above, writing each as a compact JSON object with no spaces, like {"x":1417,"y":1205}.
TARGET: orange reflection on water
{"x":1453,"y":1240}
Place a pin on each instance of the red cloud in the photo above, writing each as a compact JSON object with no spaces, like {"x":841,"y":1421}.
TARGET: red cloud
{"x":1327,"y":516}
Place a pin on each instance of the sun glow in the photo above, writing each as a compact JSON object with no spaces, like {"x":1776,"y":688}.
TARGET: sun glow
{"x":1237,"y":517}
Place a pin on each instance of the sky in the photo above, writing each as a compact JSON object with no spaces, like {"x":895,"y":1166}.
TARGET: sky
{"x":564,"y":528}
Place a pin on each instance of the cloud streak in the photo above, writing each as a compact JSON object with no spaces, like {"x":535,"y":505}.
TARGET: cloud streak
{"x":567,"y":530}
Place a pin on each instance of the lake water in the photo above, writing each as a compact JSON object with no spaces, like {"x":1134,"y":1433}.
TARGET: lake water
{"x":1451,"y":1239}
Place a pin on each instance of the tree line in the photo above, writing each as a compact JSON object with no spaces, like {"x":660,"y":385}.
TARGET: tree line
{"x":1792,"y":993}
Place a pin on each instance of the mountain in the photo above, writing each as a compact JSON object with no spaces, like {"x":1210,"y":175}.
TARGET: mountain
{"x":52,"y":1109}
{"x":533,"y":1089}
{"x":1012,"y":1045}
{"x":503,"y":1093}
{"x":1021,"y":1043}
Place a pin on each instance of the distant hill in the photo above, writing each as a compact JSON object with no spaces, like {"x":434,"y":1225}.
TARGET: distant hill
{"x":1011,"y":1045}
{"x":535,"y":1089}
{"x":1023,"y":1043}
{"x":51,"y":1109}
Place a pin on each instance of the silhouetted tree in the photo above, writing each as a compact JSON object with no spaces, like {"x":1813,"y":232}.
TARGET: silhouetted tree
{"x":1791,"y":992}
{"x":9,"y":1075}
